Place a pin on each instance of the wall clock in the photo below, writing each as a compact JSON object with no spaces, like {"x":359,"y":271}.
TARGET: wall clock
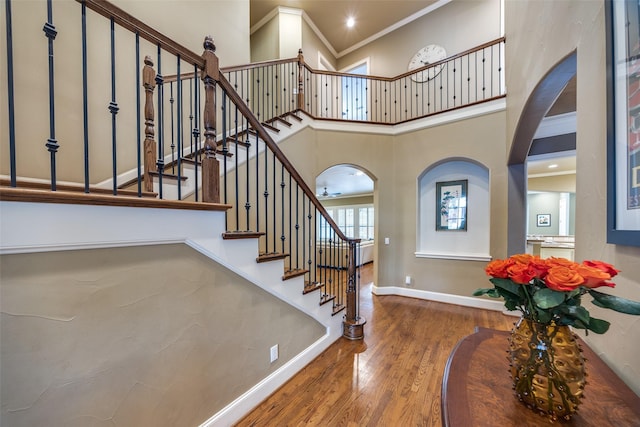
{"x":427,"y":55}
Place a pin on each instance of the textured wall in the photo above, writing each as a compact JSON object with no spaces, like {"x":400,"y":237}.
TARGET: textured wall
{"x":143,"y":336}
{"x":539,"y":34}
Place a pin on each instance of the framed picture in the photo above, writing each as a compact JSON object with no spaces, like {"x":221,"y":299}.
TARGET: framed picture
{"x":623,"y":122}
{"x":451,"y":205}
{"x":543,"y":220}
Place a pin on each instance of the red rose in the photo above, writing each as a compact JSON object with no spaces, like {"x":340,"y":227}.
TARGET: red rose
{"x":607,"y":268}
{"x":521,"y":273}
{"x":498,"y":268}
{"x":560,"y":278}
{"x":594,"y":277}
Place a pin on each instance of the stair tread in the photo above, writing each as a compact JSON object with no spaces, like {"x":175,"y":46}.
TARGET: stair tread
{"x":230,"y":235}
{"x":338,"y":308}
{"x":326,"y":298}
{"x":290,"y":274}
{"x":310,"y":287}
{"x":265,"y":257}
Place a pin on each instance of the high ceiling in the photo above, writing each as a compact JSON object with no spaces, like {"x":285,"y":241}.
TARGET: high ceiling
{"x":330,"y":16}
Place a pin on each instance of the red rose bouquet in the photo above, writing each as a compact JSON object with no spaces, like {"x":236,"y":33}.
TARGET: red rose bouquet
{"x":550,"y":290}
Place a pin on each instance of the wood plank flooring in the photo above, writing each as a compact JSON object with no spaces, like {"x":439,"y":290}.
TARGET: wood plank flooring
{"x":392,"y":378}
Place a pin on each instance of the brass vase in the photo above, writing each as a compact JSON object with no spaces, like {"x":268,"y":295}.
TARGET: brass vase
{"x":547,"y":368}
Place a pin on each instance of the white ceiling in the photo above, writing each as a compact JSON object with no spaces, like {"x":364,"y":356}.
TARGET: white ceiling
{"x":343,"y":181}
{"x":372,"y":17}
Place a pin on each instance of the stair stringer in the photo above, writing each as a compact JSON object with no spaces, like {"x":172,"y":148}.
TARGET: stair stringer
{"x":45,"y":227}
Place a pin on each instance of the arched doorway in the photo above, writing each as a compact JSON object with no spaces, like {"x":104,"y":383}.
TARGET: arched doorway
{"x":538,"y":105}
{"x":347,"y":193}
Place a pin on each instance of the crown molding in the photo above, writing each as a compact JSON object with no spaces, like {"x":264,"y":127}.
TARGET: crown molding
{"x":281,"y":9}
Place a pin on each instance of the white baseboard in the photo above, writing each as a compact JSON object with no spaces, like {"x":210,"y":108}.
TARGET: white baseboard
{"x":237,"y":409}
{"x":446,"y":298}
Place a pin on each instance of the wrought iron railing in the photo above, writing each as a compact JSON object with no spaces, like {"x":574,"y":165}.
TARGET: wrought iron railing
{"x":274,"y":88}
{"x":202,"y":139}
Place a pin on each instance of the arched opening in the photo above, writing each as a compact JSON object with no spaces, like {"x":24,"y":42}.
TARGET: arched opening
{"x":347,"y":193}
{"x":540,"y":102}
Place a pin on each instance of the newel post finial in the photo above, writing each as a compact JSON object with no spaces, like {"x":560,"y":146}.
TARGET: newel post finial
{"x":210,"y":165}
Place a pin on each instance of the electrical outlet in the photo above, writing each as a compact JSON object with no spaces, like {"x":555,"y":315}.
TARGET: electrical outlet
{"x":274,"y":353}
{"x":407,"y":280}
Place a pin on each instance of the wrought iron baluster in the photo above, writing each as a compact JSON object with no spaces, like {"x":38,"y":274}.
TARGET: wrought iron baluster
{"x":52,"y":144}
{"x":138,"y":121}
{"x":179,"y":129}
{"x":171,"y":116}
{"x":85,"y":101}
{"x":113,"y":109}
{"x":160,"y":160}
{"x":195,"y":132}
{"x":10,"y":95}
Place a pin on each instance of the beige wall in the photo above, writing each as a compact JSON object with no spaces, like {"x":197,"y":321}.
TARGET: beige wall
{"x":395,"y":163}
{"x":312,"y":45}
{"x":539,"y":35}
{"x":142,"y":336}
{"x":264,"y":42}
{"x":391,"y":53}
{"x":562,"y":183}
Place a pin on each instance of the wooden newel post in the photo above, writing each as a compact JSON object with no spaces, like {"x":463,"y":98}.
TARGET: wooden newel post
{"x":210,"y":165}
{"x":353,"y":324}
{"x":149,"y":84}
{"x":300,"y":99}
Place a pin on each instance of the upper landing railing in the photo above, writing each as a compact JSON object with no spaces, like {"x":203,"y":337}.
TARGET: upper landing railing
{"x":274,"y":88}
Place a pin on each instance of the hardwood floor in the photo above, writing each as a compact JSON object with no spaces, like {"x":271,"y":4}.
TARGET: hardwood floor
{"x":392,"y":378}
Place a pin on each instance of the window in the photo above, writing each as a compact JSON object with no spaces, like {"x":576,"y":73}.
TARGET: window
{"x":349,"y":219}
{"x":365,"y":223}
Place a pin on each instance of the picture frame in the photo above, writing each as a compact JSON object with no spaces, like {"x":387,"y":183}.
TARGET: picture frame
{"x":543,"y":220}
{"x":623,"y":122}
{"x":451,"y":205}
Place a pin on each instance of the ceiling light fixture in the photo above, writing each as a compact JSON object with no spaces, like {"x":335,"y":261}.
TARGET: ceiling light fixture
{"x":351,"y":22}
{"x":553,"y":166}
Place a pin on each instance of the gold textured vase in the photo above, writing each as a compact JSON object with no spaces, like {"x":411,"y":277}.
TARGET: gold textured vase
{"x":547,"y":368}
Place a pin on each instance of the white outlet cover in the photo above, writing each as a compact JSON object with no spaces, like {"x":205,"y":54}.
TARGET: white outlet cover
{"x":274,"y":353}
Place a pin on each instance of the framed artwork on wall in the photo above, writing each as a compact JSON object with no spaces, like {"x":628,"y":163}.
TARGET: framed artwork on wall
{"x":543,"y":220}
{"x":623,"y":122}
{"x":451,"y":205}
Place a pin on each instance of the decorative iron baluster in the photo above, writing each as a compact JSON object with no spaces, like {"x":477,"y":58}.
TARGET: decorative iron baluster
{"x":52,"y":144}
{"x":179,"y":129}
{"x":10,"y":95}
{"x":149,"y":83}
{"x":195,"y":132}
{"x":113,"y":109}
{"x":85,"y":99}
{"x":210,"y":165}
{"x":138,"y":122}
{"x":160,"y":160}
{"x":171,"y":124}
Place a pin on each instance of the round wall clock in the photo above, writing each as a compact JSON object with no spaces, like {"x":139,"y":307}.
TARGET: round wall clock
{"x":427,"y":55}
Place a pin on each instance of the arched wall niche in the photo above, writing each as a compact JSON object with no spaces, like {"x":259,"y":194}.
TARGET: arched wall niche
{"x":469,"y":244}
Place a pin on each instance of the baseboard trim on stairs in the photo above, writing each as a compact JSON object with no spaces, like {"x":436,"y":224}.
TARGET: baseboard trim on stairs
{"x":234,"y":411}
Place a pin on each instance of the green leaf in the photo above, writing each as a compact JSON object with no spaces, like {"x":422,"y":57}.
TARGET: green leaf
{"x":543,"y":316}
{"x":612,"y":302}
{"x":577,"y":312}
{"x":548,"y":298}
{"x":508,"y":286}
{"x":485,"y":291}
{"x":598,"y":326}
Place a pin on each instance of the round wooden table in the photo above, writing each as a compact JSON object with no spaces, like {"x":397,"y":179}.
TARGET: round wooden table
{"x":477,"y":389}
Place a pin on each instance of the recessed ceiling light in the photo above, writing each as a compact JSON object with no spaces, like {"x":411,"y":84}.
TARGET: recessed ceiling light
{"x":351,"y":22}
{"x":553,"y":166}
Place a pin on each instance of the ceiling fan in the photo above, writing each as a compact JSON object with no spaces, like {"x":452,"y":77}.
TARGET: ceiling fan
{"x":325,"y":193}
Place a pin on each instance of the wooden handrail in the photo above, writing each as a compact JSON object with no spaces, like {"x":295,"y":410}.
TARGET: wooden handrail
{"x":253,"y":121}
{"x":134,"y":25}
